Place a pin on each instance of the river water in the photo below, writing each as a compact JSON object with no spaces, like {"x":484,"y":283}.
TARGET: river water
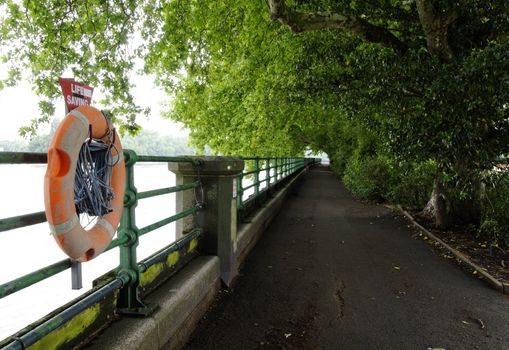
{"x":27,"y":249}
{"x":30,"y":248}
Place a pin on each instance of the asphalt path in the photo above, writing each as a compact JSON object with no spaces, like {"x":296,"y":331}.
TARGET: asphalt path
{"x":332,"y":272}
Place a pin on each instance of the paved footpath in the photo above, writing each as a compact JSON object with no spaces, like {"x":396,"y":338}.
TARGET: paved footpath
{"x":332,"y":272}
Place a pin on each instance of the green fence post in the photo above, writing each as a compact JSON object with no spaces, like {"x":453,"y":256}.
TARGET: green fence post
{"x":267,"y":173}
{"x":129,"y":301}
{"x":257,"y":177}
{"x":240,"y":190}
{"x":277,"y":169}
{"x":282,"y":169}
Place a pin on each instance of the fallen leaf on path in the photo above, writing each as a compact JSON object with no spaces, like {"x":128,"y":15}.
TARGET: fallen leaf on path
{"x":479,"y":321}
{"x":288,"y":335}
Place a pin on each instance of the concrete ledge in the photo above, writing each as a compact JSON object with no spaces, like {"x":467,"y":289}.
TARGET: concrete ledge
{"x":249,"y":233}
{"x":182,"y":302}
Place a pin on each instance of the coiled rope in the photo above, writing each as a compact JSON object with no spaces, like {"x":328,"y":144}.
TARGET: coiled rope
{"x":92,"y":184}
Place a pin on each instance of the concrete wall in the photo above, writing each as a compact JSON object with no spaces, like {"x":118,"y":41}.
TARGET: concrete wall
{"x":181,"y":301}
{"x":249,"y":233}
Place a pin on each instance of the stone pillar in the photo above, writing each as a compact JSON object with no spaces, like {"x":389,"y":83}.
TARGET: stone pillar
{"x":219,"y":218}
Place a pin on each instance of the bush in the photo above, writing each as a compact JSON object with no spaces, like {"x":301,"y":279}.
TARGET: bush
{"x":380,"y":179}
{"x":495,"y":218}
{"x":412,"y":184}
{"x":368,"y":178}
{"x":339,"y":161}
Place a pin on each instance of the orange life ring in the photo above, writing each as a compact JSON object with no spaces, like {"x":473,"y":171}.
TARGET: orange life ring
{"x":63,"y":151}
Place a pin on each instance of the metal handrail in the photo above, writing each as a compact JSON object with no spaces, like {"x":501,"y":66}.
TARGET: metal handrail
{"x":126,"y":226}
{"x":126,"y":280}
{"x":282,"y":169}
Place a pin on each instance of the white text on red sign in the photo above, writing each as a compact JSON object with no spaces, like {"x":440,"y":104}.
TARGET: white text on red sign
{"x":80,"y":90}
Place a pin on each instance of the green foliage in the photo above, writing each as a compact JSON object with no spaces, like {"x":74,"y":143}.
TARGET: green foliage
{"x":368,"y":178}
{"x":146,"y":143}
{"x":91,"y":39}
{"x":412,"y":184}
{"x":246,"y":85}
{"x":12,"y":146}
{"x":495,"y":220}
{"x":380,"y":179}
{"x":153,"y":144}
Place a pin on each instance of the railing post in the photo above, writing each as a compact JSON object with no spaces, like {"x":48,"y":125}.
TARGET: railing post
{"x":267,"y":174}
{"x":219,"y":218}
{"x":277,"y":171}
{"x":240,"y":190}
{"x":129,"y":301}
{"x":257,"y":177}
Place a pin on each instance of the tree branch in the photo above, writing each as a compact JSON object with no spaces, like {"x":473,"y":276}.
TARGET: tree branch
{"x":436,"y":27}
{"x":304,"y":22}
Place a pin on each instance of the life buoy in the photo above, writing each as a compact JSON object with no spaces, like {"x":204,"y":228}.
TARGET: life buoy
{"x":63,"y":152}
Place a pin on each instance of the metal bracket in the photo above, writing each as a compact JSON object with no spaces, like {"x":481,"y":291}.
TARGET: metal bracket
{"x":143,"y":310}
{"x":76,"y":275}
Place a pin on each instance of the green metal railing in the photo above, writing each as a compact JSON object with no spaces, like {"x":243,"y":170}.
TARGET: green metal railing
{"x":127,"y":277}
{"x":261,"y":175}
{"x":264,"y":174}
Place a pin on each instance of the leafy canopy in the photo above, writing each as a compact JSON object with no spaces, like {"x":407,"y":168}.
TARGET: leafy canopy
{"x":245,"y":83}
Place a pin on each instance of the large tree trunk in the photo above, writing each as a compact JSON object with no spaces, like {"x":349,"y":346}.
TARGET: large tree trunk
{"x":448,"y":208}
{"x":436,"y":209}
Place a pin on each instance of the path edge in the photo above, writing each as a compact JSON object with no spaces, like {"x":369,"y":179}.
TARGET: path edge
{"x":491,"y":280}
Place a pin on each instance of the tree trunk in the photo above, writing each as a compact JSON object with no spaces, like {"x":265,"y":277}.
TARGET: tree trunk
{"x":436,"y":209}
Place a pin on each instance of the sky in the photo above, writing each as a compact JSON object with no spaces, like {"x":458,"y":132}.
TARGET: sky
{"x":19,"y":106}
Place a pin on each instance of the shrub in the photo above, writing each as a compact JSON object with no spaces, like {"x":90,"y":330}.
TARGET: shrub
{"x":495,"y":208}
{"x":368,"y":178}
{"x":412,"y":184}
{"x":339,"y":161}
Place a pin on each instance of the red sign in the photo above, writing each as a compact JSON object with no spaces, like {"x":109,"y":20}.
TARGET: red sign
{"x":75,"y":94}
